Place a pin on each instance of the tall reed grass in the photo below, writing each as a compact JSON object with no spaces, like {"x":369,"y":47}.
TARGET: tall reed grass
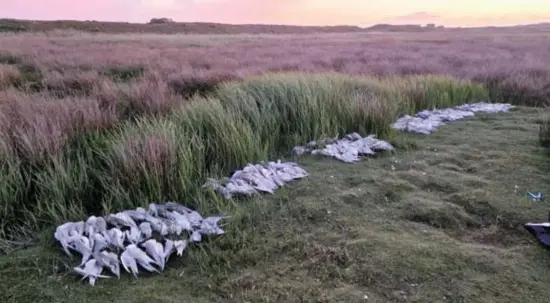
{"x":168,"y":157}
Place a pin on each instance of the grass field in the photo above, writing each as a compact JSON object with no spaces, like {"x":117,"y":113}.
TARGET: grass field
{"x":439,"y":221}
{"x":513,"y":63}
{"x":96,"y":123}
{"x":65,"y":159}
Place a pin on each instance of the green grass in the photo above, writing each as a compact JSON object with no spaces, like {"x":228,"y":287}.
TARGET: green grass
{"x":439,"y":221}
{"x":168,"y":158}
{"x":544,"y":132}
{"x":125,"y":73}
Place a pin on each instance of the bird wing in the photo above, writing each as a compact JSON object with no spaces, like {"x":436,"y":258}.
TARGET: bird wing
{"x":128,"y":221}
{"x":83,"y":247}
{"x":196,"y":236}
{"x":181,"y":245}
{"x":78,"y":227}
{"x":97,"y":270}
{"x":159,"y":251}
{"x":63,"y":240}
{"x":183,"y":221}
{"x":138,"y":254}
{"x":129,"y":263}
{"x":81,"y":272}
{"x":168,"y":249}
{"x":145,"y":228}
{"x":177,"y":207}
{"x":147,"y":266}
{"x":194,"y":218}
{"x":119,"y":238}
{"x":156,"y":251}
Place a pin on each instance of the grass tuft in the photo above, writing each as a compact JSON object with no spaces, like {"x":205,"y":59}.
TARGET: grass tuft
{"x":9,"y":76}
{"x":31,"y":78}
{"x":9,"y":58}
{"x":187,"y":86}
{"x":125,"y":73}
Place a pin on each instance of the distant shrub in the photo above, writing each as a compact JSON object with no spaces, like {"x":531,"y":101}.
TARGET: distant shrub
{"x":125,"y":73}
{"x":8,"y":25}
{"x":31,"y":77}
{"x":71,"y":83}
{"x":148,"y":95}
{"x":93,"y":29}
{"x":161,"y":21}
{"x":8,"y":58}
{"x":9,"y":75}
{"x":187,"y":86}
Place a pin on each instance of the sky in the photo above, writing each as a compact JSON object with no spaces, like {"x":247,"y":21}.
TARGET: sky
{"x":296,"y":12}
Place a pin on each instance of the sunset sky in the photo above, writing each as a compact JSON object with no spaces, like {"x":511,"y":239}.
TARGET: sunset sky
{"x":299,"y":12}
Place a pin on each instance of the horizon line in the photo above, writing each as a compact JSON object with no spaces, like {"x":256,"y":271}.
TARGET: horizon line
{"x":363,"y":26}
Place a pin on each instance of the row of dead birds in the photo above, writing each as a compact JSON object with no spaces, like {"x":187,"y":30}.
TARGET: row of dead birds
{"x":348,"y":149}
{"x":428,"y":121}
{"x":255,"y":179}
{"x":132,"y":231}
{"x":134,"y":234}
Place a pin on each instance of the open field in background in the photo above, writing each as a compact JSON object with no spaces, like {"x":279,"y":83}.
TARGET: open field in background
{"x":514,"y":65}
{"x":95,"y":123}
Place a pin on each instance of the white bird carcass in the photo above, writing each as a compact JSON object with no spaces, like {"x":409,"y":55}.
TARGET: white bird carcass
{"x":82,"y":245}
{"x":181,"y":221}
{"x":180,"y":246}
{"x":352,"y":147}
{"x":209,"y":226}
{"x":63,"y":234}
{"x":100,"y":239}
{"x":92,"y":270}
{"x":169,"y":248}
{"x":253,"y":179}
{"x":132,"y":256}
{"x":428,"y":121}
{"x":145,"y":229}
{"x":156,"y":251}
{"x":117,"y":237}
{"x":108,"y":260}
{"x":133,"y":235}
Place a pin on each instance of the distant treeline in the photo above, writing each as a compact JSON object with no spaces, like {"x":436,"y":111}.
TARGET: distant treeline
{"x":168,"y":26}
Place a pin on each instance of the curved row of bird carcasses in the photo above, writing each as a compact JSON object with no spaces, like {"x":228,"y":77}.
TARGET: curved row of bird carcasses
{"x":146,"y":238}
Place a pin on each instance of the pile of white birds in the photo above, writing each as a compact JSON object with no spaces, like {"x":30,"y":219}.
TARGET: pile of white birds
{"x":349,"y":149}
{"x":253,"y":179}
{"x":426,"y":122}
{"x":134,"y":237}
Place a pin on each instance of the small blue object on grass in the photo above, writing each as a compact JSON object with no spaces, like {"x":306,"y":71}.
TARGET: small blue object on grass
{"x":536,"y":197}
